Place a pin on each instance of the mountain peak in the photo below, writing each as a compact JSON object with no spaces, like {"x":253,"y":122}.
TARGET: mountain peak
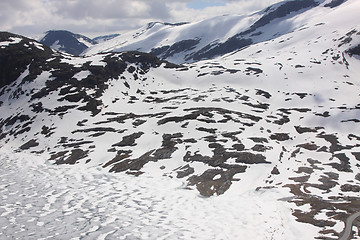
{"x":66,"y":41}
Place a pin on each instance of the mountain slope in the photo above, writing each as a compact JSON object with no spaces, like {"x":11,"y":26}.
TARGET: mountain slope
{"x":68,"y":42}
{"x":277,"y":117}
{"x":216,"y":36}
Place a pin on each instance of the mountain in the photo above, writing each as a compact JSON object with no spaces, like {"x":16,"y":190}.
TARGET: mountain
{"x":276,"y":120}
{"x":66,"y":41}
{"x":72,"y":43}
{"x":190,"y":42}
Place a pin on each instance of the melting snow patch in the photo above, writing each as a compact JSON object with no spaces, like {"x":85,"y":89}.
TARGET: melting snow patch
{"x":217,"y":177}
{"x":97,"y":61}
{"x":56,"y":46}
{"x":14,"y":40}
{"x":38,"y":45}
{"x":82,"y":75}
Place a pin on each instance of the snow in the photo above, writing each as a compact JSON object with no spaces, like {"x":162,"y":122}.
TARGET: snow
{"x":221,"y":28}
{"x":13,"y":40}
{"x":84,"y":41}
{"x":38,"y":45}
{"x":82,"y":75}
{"x":56,"y":46}
{"x":96,"y":60}
{"x":40,"y":200}
{"x":144,"y":39}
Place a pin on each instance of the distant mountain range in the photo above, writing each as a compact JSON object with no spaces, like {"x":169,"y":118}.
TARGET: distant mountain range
{"x":190,"y":42}
{"x":269,"y":102}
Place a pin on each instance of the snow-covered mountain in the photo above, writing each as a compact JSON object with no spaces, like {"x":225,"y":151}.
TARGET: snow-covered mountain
{"x":279,"y":118}
{"x":189,"y":42}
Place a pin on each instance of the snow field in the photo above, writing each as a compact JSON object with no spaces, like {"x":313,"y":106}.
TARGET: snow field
{"x":42,"y":201}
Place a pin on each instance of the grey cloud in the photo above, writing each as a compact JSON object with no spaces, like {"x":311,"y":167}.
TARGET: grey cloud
{"x":14,"y":5}
{"x":110,"y":9}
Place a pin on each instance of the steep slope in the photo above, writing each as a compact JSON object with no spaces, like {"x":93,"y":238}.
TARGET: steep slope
{"x":280,"y":116}
{"x":189,"y":42}
{"x":68,"y":42}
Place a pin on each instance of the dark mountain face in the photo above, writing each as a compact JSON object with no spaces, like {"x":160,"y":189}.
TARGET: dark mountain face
{"x":104,"y":38}
{"x":354,"y":50}
{"x":335,"y":3}
{"x":281,"y":11}
{"x":169,"y":51}
{"x":66,"y":41}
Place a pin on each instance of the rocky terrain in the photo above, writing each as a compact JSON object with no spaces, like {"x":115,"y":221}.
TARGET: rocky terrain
{"x":279,"y":115}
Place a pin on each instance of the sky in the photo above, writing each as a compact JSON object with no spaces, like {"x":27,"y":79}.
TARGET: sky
{"x":94,"y":18}
{"x":201,"y":4}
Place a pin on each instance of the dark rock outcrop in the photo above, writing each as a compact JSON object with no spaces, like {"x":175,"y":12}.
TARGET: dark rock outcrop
{"x":18,"y":56}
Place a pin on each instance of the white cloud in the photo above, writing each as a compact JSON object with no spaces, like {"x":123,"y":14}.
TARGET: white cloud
{"x":93,"y":16}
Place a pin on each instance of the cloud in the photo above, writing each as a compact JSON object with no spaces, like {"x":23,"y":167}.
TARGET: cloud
{"x":20,"y":12}
{"x":94,"y":17}
{"x":108,"y":9}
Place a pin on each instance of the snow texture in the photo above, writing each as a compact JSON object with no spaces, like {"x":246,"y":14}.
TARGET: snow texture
{"x":259,"y":143}
{"x":43,"y":201}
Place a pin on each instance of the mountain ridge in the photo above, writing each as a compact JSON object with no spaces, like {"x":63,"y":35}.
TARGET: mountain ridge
{"x":200,"y":40}
{"x":191,"y":48}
